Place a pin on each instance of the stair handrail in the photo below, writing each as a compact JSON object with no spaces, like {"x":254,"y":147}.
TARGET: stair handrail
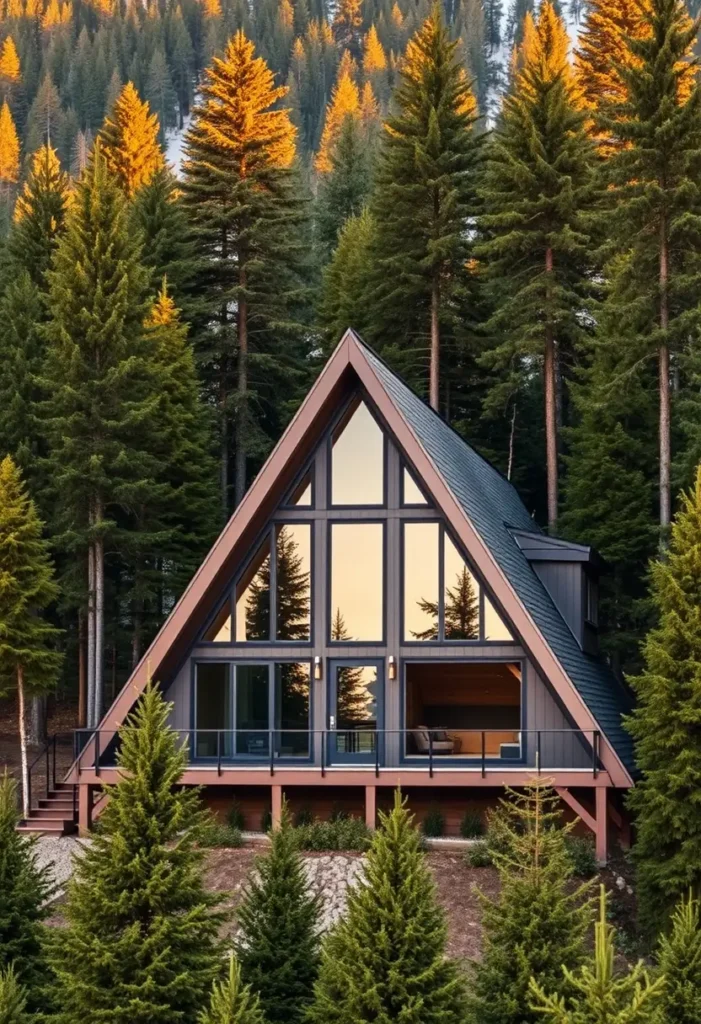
{"x":48,"y":751}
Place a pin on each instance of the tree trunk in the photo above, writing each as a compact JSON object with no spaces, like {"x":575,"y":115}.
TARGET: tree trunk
{"x":82,"y":674}
{"x":136,"y":638}
{"x":242,"y":394}
{"x":550,"y":390}
{"x":434,"y":378}
{"x":665,"y":397}
{"x":99,"y":625}
{"x":224,"y":454}
{"x":91,"y":633}
{"x":512,"y":436}
{"x":36,"y":722}
{"x":23,"y":742}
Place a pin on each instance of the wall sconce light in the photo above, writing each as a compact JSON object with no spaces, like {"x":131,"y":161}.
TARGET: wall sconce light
{"x":392,"y":667}
{"x":317,"y":668}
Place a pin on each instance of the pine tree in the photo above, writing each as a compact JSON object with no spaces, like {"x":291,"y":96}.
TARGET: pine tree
{"x":386,"y":959}
{"x":245,"y":209}
{"x":345,"y":284}
{"x":536,"y":190}
{"x":232,"y":1001}
{"x":345,"y":188}
{"x":140,"y":944}
{"x":9,"y":152}
{"x":423,"y":197}
{"x":663,"y":725}
{"x":21,"y":355}
{"x":679,"y":959}
{"x":278,"y":945}
{"x":12,"y":999}
{"x":598,"y":995}
{"x":160,"y":93}
{"x":100,"y":382}
{"x":343,"y":105}
{"x":9,"y":64}
{"x":130,"y":141}
{"x":46,"y":116}
{"x":538,"y":923}
{"x":168,"y":251}
{"x":603,"y":50}
{"x":25,"y":888}
{"x":40,"y":212}
{"x":493,"y":13}
{"x":29,"y":661}
{"x":654,"y":218}
{"x":347,"y":24}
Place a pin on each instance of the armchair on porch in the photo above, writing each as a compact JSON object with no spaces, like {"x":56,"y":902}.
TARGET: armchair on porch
{"x":440,"y":741}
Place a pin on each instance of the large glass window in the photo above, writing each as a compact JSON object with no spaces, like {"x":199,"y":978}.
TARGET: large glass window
{"x":421,"y":581}
{"x":301,"y":497}
{"x":212,"y":709}
{"x":357,"y":581}
{"x":494,"y":627}
{"x":293,"y":575}
{"x":252,"y":709}
{"x":461,"y":598}
{"x":253,"y":598}
{"x":358,"y":460}
{"x":292,"y":689}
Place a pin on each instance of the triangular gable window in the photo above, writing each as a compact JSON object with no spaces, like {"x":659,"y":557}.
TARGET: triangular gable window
{"x":302,"y":494}
{"x":411,"y":495}
{"x":358,"y":459}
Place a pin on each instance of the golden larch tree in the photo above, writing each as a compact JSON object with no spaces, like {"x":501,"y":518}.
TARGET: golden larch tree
{"x":602,"y":49}
{"x":344,"y":102}
{"x":374,"y":58}
{"x":9,"y":62}
{"x":9,"y":150}
{"x":130,"y":141}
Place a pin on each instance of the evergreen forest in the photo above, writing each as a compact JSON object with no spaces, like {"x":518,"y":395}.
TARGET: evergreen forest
{"x":197,"y":198}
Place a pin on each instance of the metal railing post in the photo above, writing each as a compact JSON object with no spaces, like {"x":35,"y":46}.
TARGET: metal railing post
{"x":595,"y":749}
{"x":272,"y":755}
{"x":322,"y":752}
{"x":97,"y":753}
{"x":218,"y":751}
{"x":430,"y":754}
{"x":484,"y":754}
{"x":47,"y":762}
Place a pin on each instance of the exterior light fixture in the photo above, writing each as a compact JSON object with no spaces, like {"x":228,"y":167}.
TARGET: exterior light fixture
{"x":392,"y":667}
{"x":317,"y":668}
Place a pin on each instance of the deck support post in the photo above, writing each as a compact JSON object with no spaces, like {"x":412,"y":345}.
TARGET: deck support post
{"x":276,"y":801}
{"x":84,"y":810}
{"x":370,"y":806}
{"x":601,"y":826}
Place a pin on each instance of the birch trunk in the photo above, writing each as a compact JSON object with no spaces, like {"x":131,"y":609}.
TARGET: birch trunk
{"x":550,"y":389}
{"x":23,"y":742}
{"x":99,"y":626}
{"x":82,"y":674}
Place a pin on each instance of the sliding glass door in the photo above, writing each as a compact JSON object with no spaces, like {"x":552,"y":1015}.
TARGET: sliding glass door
{"x":356,"y":711}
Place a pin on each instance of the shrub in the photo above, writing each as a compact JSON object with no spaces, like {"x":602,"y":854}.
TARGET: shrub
{"x":433,"y":824}
{"x":582,"y":853}
{"x":341,"y":834}
{"x":236,"y":818}
{"x":216,"y":834}
{"x":471,"y":826}
{"x":303,"y":816}
{"x":266,"y":820}
{"x":479,"y":856}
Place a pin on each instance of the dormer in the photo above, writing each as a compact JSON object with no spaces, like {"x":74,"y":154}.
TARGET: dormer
{"x":570,"y":573}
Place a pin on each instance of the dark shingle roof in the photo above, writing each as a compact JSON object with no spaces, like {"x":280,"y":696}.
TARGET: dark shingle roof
{"x":493,"y":506}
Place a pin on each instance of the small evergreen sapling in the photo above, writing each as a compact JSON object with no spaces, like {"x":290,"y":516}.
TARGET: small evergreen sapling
{"x":598,"y":995}
{"x":386,"y":960}
{"x":13,"y":1002}
{"x":24,"y":890}
{"x":232,"y":1002}
{"x":140,"y":945}
{"x":539,"y":921}
{"x":278,"y":947}
{"x":679,"y":958}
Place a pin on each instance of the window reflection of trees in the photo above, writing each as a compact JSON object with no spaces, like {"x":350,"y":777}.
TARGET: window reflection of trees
{"x":292,"y":591}
{"x":461,"y":611}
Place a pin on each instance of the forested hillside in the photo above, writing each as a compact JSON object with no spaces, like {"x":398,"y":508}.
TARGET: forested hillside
{"x":504,"y":199}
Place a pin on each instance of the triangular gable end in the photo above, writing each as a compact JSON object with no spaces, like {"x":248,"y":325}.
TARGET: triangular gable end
{"x":351,"y":362}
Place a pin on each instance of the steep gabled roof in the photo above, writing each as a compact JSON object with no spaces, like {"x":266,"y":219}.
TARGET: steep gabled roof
{"x":481,"y":507}
{"x":495,"y":509}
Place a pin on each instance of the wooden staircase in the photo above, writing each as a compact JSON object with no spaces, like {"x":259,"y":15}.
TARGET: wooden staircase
{"x":55,"y":814}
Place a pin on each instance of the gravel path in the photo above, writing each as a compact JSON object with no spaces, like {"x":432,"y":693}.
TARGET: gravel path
{"x":58,"y":852}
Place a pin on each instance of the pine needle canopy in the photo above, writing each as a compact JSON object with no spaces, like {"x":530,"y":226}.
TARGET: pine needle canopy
{"x":130,"y":141}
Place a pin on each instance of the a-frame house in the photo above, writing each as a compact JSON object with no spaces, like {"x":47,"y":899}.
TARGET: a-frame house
{"x":381,"y":610}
